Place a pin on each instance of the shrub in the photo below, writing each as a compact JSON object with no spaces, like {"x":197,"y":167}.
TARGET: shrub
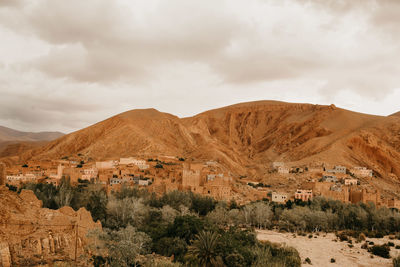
{"x":310,"y":236}
{"x":350,"y":245}
{"x":333,"y":260}
{"x":396,"y":262}
{"x":379,"y":235}
{"x":308,"y":260}
{"x":12,"y":187}
{"x":390,"y":244}
{"x":376,"y":234}
{"x":361,"y":237}
{"x":343,"y":237}
{"x":397,"y":247}
{"x":382,"y":251}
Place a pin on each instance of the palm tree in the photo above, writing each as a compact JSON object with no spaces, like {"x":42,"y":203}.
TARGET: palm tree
{"x":204,"y":248}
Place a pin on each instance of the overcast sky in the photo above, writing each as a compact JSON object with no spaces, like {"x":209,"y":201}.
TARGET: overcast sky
{"x":65,"y":65}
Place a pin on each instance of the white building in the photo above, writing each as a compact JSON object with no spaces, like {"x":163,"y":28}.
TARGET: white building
{"x":211,"y":177}
{"x":115,"y":181}
{"x":338,"y":169}
{"x":133,"y":161}
{"x":362,"y":172}
{"x":143,"y":182}
{"x":142,"y":166}
{"x":106,"y":164}
{"x":89,"y":173}
{"x":283,"y":170}
{"x":211,"y":163}
{"x":329,"y":178}
{"x":278,"y":197}
{"x":350,"y":181}
{"x":140,"y":163}
{"x":59,"y":174}
{"x":277,"y":164}
{"x":29,"y":177}
{"x":13,"y":178}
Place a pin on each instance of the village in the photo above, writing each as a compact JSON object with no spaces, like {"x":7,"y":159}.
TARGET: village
{"x":166,"y":173}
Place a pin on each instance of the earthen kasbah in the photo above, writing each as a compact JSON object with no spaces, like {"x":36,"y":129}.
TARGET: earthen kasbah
{"x":28,"y":231}
{"x":246,"y":152}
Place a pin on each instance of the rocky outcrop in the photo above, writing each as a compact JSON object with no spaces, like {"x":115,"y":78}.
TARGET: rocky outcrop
{"x":31,"y":235}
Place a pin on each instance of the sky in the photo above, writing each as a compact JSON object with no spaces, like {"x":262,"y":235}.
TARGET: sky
{"x":65,"y":65}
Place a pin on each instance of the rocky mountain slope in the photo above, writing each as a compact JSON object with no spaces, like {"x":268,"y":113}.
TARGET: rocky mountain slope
{"x":245,"y":137}
{"x":31,"y":235}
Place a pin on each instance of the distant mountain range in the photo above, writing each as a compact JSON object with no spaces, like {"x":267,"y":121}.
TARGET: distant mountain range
{"x":7,"y":134}
{"x":13,"y":142}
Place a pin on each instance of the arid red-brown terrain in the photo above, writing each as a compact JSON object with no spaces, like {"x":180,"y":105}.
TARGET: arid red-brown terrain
{"x":244,"y":137}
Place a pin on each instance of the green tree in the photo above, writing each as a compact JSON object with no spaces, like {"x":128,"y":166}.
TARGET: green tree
{"x":65,"y":194}
{"x":185,"y":227}
{"x":122,"y":212}
{"x":122,"y":247}
{"x":204,"y":248}
{"x":97,"y":205}
{"x":202,"y":204}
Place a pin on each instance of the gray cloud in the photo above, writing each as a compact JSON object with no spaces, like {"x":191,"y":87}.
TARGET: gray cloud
{"x":95,"y":58}
{"x":105,"y":42}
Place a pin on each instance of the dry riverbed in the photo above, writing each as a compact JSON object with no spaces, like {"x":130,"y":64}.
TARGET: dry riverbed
{"x":320,"y":250}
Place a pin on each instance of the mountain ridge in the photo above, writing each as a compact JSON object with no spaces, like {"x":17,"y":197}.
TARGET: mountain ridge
{"x":8,"y":134}
{"x":14,"y":142}
{"x":245,"y":137}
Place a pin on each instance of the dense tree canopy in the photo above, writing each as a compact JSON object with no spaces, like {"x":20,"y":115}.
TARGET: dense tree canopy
{"x":202,"y":230}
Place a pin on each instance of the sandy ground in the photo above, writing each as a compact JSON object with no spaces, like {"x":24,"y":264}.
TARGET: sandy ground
{"x":321,"y":249}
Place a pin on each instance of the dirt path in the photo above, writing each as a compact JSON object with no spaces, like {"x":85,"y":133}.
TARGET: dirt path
{"x":321,"y":249}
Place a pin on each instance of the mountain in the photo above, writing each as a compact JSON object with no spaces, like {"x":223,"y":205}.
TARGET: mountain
{"x":245,"y":137}
{"x":13,"y":142}
{"x":7,"y":135}
{"x":397,"y":114}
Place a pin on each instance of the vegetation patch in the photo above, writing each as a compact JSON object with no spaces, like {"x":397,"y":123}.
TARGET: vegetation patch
{"x":381,"y":251}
